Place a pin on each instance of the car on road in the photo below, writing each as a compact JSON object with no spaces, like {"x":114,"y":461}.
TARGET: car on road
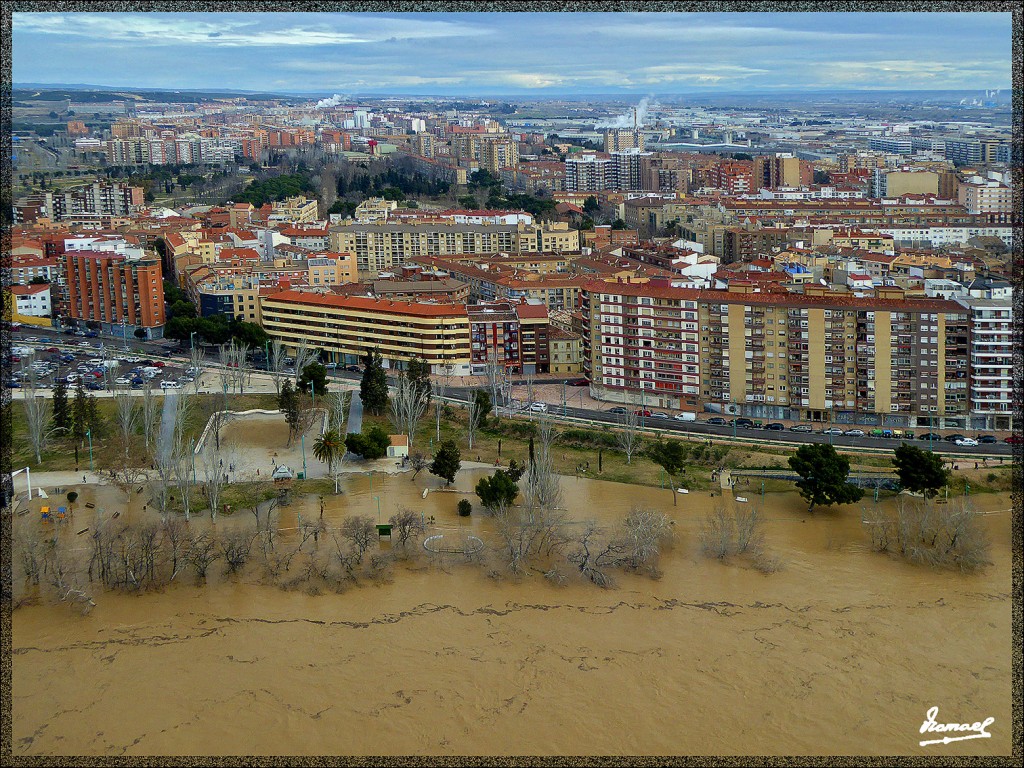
{"x":716,"y":421}
{"x":289,"y":371}
{"x":170,"y":385}
{"x":832,"y":431}
{"x":967,"y":442}
{"x":684,"y":417}
{"x":137,"y":384}
{"x":775,"y":426}
{"x":13,"y":384}
{"x":96,"y":386}
{"x":331,"y":366}
{"x":743,"y":423}
{"x":353,"y":368}
{"x":84,"y":344}
{"x":954,"y":438}
{"x":617,"y":410}
{"x":987,"y":439}
{"x":641,"y":412}
{"x":1013,"y":439}
{"x":930,"y":436}
{"x":659,"y":415}
{"x":579,"y":383}
{"x":159,"y":364}
{"x":854,"y":433}
{"x":539,"y":407}
{"x":91,"y":335}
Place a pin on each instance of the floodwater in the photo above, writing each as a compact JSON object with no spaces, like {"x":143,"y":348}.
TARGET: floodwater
{"x":843,"y":651}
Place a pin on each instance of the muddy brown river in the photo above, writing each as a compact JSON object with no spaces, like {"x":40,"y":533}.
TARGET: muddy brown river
{"x":841,"y":652}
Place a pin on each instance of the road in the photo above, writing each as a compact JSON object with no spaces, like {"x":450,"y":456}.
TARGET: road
{"x":597,"y":416}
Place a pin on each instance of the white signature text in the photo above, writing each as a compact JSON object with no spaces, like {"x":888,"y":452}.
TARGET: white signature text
{"x":974,"y":730}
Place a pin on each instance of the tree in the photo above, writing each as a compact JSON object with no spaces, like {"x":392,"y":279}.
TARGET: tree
{"x":418,"y":374}
{"x":590,"y":205}
{"x":418,"y":462}
{"x":484,"y":404}
{"x":80,"y":412}
{"x":618,"y":224}
{"x":669,"y":455}
{"x":37,"y":419}
{"x":249,"y":334}
{"x":406,"y":526}
{"x":328,"y":448}
{"x":288,"y":402}
{"x":407,"y":407}
{"x":823,"y":474}
{"x":920,"y":471}
{"x":371,"y":444}
{"x":61,"y":412}
{"x":447,"y":461}
{"x":465,"y":508}
{"x":72,"y":497}
{"x":316,"y":374}
{"x":374,"y":387}
{"x":498,"y":491}
{"x":627,"y":436}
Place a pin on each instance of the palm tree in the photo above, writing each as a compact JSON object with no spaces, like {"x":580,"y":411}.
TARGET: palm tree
{"x":328,"y":448}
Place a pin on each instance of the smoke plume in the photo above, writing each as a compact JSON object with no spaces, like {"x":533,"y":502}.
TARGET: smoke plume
{"x":625,"y":120}
{"x":334,"y":101}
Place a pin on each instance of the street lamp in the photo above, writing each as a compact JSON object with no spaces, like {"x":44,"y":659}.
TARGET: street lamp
{"x":378,"y":507}
{"x":88,"y":433}
{"x":192,"y":340}
{"x":304,"y":456}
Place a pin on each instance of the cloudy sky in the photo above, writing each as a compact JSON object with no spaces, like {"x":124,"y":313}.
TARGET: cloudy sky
{"x":522,"y":53}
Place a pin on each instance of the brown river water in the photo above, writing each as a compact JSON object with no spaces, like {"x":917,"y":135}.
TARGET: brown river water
{"x":841,"y":652}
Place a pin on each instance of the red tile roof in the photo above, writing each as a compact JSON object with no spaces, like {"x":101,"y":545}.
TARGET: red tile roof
{"x":377,"y":305}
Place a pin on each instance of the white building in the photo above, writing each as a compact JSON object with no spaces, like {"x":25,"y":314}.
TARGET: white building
{"x":31,"y":300}
{"x":991,"y":362}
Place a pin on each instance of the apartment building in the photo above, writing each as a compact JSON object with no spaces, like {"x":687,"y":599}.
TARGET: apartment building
{"x":119,"y":293}
{"x":383,"y":247}
{"x":889,"y":183}
{"x":99,"y":199}
{"x":346,"y":327}
{"x":566,"y":351}
{"x":975,"y":151}
{"x":781,"y":170}
{"x":881,"y":360}
{"x":31,"y":300}
{"x":991,"y":366}
{"x":589,"y":173}
{"x":988,"y":197}
{"x":495,"y":337}
{"x":499,"y":154}
{"x":618,"y":139}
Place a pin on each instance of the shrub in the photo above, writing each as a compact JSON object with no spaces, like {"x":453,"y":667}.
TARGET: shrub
{"x":465,"y":508}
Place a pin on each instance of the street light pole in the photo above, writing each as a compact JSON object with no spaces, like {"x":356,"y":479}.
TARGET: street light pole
{"x":303,"y":456}
{"x":378,"y":507}
{"x":192,"y":340}
{"x":88,"y":433}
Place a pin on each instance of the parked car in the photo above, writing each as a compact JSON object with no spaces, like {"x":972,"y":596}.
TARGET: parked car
{"x":95,"y":386}
{"x":744,"y":423}
{"x":716,"y":421}
{"x":330,"y":366}
{"x":832,"y":431}
{"x":539,"y":407}
{"x":685,"y":416}
{"x":954,"y":438}
{"x":641,"y":412}
{"x":1013,"y":439}
{"x":854,"y":433}
{"x":930,"y":436}
{"x":137,"y":383}
{"x":122,"y":380}
{"x":579,"y":383}
{"x":91,"y":334}
{"x":14,"y":384}
{"x":967,"y":442}
{"x":53,"y":350}
{"x":159,"y":364}
{"x":353,"y":368}
{"x":170,"y":385}
{"x":775,"y":426}
{"x":289,"y":371}
{"x":659,"y":415}
{"x":987,"y":439}
{"x":617,"y":409}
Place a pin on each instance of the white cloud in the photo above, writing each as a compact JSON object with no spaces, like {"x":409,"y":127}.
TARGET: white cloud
{"x":220,"y":31}
{"x":682,"y":28}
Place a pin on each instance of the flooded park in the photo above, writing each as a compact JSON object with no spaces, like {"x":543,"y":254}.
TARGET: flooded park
{"x":435,"y":648}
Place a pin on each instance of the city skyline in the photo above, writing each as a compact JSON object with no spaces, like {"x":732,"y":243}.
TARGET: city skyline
{"x":448,"y":54}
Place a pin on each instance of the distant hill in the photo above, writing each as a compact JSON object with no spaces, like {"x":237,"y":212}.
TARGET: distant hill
{"x":93,"y":94}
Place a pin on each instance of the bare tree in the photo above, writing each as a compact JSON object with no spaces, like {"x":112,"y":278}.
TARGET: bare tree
{"x":175,"y":540}
{"x":529,"y":389}
{"x":197,"y":366}
{"x":418,"y":462}
{"x":125,"y":477}
{"x":543,"y":490}
{"x":407,"y":407}
{"x":336,"y":403}
{"x":493,"y":373}
{"x":940,"y":535}
{"x":627,"y":435}
{"x":213,"y":476}
{"x":236,"y":546}
{"x":275,"y":365}
{"x":238,"y":368}
{"x":126,"y":410}
{"x":304,"y":355}
{"x":359,"y":531}
{"x":407,"y":526}
{"x":183,"y":461}
{"x":37,"y":419}
{"x":202,"y":552}
{"x":474,"y":416}
{"x":150,"y":417}
{"x":440,"y":385}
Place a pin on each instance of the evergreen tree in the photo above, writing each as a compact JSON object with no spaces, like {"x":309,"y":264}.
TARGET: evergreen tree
{"x":447,"y":461}
{"x":374,"y":388}
{"x":288,"y":402}
{"x":498,"y":491}
{"x":61,"y":409}
{"x":920,"y":471}
{"x":80,"y":412}
{"x":823,"y":476}
{"x":315,"y":374}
